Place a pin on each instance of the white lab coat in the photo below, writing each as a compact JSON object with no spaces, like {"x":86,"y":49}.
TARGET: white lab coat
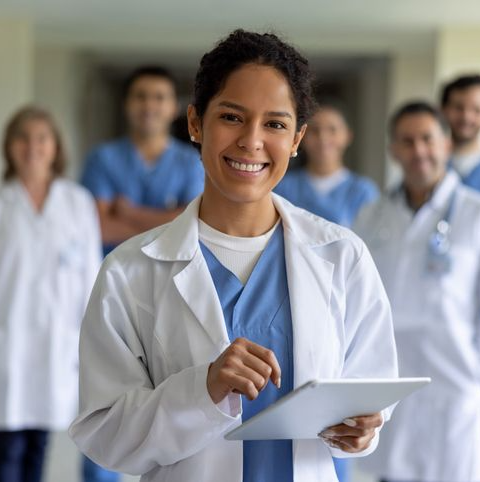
{"x":434,"y":435}
{"x":154,"y":323}
{"x":48,"y":264}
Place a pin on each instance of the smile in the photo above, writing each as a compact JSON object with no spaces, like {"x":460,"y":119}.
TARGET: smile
{"x":245,"y":167}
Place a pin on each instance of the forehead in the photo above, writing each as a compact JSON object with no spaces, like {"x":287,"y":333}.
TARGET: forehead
{"x":412,"y":125}
{"x":33,"y":125}
{"x":468,"y":95}
{"x":258,"y":87}
{"x":327,"y":114}
{"x":147,"y":83}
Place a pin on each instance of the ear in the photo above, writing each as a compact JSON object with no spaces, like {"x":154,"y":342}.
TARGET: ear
{"x":194,"y":124}
{"x":298,"y":137}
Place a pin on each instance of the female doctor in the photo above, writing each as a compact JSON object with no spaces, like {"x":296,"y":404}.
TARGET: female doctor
{"x":50,"y":243}
{"x":201,"y":323}
{"x":324,"y":186}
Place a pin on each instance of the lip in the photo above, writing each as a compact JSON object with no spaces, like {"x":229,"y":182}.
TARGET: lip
{"x":244,"y":174}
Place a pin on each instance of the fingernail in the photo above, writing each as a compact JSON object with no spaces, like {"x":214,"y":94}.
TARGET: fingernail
{"x":279,"y":382}
{"x":327,"y":433}
{"x":350,"y":422}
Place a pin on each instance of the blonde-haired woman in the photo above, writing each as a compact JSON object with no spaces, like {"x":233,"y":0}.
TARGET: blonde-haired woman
{"x":50,"y":243}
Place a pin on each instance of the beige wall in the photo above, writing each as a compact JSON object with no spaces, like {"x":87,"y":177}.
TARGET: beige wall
{"x":16,"y":74}
{"x":457,"y":52}
{"x":60,"y":82}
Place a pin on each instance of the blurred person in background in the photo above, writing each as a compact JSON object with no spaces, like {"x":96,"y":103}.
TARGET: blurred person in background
{"x":461,"y":107}
{"x":51,"y":252}
{"x":425,"y":239}
{"x":324,"y":186}
{"x":145,"y":179}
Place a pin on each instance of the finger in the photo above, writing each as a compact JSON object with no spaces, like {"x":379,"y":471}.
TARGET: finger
{"x":268,"y":356}
{"x":365,"y":421}
{"x":243,"y":386}
{"x":352,"y":444}
{"x":237,"y":357}
{"x":246,"y":372}
{"x":258,"y":365}
{"x":346,"y":431}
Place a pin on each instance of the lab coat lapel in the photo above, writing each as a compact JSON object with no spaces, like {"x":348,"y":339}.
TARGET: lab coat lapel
{"x":309,"y":283}
{"x":195,"y":285}
{"x":178,"y":242}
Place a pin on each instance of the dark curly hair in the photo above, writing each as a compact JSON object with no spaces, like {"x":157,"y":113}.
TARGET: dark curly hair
{"x":242,"y":47}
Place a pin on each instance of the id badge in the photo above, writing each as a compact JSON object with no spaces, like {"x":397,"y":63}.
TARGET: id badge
{"x":439,"y":260}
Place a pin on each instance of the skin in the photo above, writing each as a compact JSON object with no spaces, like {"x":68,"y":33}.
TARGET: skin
{"x":462,"y":112}
{"x":421,"y":148}
{"x":326,"y":139}
{"x":150,"y":107}
{"x":33,"y":151}
{"x":252,"y":120}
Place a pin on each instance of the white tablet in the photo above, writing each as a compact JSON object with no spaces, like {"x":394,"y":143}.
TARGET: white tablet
{"x":318,"y":404}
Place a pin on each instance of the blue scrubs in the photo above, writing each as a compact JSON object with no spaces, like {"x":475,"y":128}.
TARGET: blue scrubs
{"x":341,"y":205}
{"x":473,"y":179}
{"x":117,"y":169}
{"x":260,"y":311}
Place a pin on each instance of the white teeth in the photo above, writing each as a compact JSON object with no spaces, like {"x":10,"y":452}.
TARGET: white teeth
{"x":245,"y":167}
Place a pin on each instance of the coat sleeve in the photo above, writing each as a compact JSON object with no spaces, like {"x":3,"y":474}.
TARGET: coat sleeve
{"x":126,"y":423}
{"x":369,"y":337}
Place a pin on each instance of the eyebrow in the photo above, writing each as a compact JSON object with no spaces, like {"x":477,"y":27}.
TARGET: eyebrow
{"x":232,"y":105}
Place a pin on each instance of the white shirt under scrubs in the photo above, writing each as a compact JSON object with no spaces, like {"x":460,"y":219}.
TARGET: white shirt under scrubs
{"x":434,"y":434}
{"x":48,"y":264}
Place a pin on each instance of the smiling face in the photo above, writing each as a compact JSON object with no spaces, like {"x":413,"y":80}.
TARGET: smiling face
{"x":247,"y":135}
{"x":462,"y":112}
{"x":421,"y":148}
{"x":32,"y":150}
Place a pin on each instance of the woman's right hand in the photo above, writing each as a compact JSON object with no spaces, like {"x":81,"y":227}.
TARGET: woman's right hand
{"x":245,"y":368}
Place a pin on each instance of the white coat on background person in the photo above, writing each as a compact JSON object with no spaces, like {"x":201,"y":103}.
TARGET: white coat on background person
{"x":147,"y":344}
{"x":434,"y":434}
{"x":48,"y":265}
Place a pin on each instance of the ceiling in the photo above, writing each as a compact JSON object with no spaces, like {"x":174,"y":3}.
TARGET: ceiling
{"x":188,"y":25}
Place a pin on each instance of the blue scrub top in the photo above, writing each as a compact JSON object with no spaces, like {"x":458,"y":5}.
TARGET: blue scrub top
{"x":117,"y":169}
{"x":472,"y":179}
{"x":260,"y":311}
{"x":340,"y":205}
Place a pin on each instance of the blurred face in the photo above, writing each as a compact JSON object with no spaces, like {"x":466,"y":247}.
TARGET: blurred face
{"x":247,"y":134}
{"x":463,"y":114}
{"x":151,"y":106}
{"x":421,"y":148}
{"x":326,"y":138}
{"x":33,"y":150}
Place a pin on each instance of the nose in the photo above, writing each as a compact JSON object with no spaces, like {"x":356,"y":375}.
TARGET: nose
{"x":419,"y":148}
{"x":250,"y":138}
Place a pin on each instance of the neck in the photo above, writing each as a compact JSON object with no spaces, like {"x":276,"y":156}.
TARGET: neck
{"x":417,"y":196}
{"x":466,"y":148}
{"x":238,"y":219}
{"x":37,"y":190}
{"x":324,"y":169}
{"x":150,"y":146}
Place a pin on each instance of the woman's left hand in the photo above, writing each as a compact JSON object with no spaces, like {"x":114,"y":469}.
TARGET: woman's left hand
{"x":354,"y":434}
